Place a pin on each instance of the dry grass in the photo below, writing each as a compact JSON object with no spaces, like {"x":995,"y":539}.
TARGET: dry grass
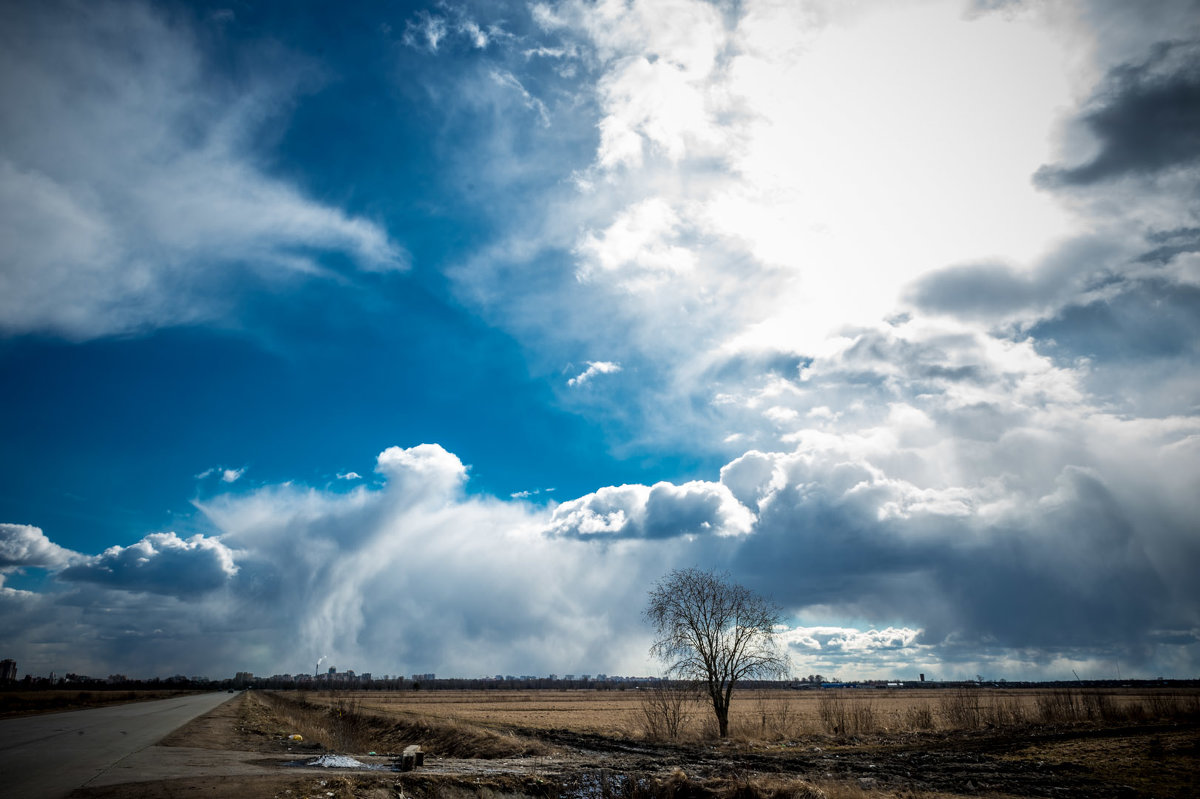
{"x":611,"y":713}
{"x":755,"y":715}
{"x":340,"y":721}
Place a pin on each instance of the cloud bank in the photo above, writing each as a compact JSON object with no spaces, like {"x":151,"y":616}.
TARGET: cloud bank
{"x":1009,"y":574}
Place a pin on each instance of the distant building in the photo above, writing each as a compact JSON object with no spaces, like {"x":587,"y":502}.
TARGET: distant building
{"x":8,"y":670}
{"x":419,"y":677}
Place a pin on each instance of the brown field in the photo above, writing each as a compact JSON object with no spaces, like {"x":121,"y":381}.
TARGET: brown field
{"x":856,"y":744}
{"x":768,"y":715}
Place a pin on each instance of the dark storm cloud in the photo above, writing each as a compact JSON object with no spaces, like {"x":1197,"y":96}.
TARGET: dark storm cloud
{"x":1146,"y":319}
{"x":1074,"y":573}
{"x":1170,"y":243}
{"x":974,"y":290}
{"x":993,"y":292}
{"x":1072,"y":570}
{"x":1146,"y":120}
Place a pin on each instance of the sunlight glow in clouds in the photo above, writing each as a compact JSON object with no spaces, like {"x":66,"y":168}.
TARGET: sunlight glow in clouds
{"x":870,"y":161}
{"x":857,"y":160}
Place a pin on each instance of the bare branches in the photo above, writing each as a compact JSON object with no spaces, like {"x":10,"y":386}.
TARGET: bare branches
{"x":715,"y":632}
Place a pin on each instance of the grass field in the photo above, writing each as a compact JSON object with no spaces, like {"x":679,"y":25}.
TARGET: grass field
{"x":784,"y":744}
{"x":779,"y":714}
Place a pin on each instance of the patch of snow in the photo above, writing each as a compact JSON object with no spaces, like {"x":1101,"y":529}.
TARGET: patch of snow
{"x":336,"y":761}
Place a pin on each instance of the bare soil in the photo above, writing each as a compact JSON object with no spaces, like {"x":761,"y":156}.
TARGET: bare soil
{"x":1093,"y":759}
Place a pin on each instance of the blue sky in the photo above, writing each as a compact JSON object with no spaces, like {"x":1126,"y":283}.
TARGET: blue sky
{"x":427,"y":336}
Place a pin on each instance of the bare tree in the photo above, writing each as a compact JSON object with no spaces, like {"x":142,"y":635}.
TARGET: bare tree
{"x":715,"y":632}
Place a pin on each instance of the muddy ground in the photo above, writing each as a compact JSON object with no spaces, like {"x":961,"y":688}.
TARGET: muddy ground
{"x":249,"y":737}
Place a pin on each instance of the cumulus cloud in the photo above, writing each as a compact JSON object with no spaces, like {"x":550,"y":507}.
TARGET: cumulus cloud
{"x":594,"y":368}
{"x":161,"y":563}
{"x":663,"y":510}
{"x":129,"y":193}
{"x":426,"y":471}
{"x":468,"y":584}
{"x":24,"y":545}
{"x":849,"y":639}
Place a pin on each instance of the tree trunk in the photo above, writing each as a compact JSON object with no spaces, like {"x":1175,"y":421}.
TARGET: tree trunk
{"x":721,"y":708}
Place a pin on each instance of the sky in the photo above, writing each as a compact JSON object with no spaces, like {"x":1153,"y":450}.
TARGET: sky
{"x":426,"y":337}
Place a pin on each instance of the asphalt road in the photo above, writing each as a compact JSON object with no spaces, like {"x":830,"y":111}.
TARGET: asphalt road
{"x":48,"y":756}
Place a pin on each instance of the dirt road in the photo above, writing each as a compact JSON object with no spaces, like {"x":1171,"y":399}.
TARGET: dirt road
{"x":50,"y":756}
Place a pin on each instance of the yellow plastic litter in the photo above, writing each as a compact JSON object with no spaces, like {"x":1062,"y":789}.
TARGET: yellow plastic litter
{"x":296,"y":737}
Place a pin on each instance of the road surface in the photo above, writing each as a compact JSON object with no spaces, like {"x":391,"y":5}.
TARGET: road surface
{"x":48,"y":756}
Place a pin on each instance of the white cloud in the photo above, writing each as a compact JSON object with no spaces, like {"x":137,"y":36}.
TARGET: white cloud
{"x":23,"y":545}
{"x":426,"y":471}
{"x":349,"y":476}
{"x":161,"y":563}
{"x":136,"y":202}
{"x":663,"y":510}
{"x":594,"y":368}
{"x":226,"y":475}
{"x":656,"y":92}
{"x":641,"y":244}
{"x":533,"y":492}
{"x":504,"y":595}
{"x":429,"y":31}
{"x":849,"y":639}
{"x":426,"y":30}
{"x":510,"y":81}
